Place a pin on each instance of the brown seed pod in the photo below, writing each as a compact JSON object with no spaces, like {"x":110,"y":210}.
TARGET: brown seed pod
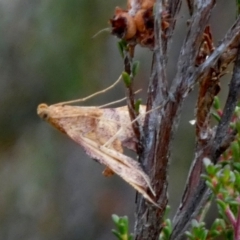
{"x":143,"y":4}
{"x":139,"y":20}
{"x":123,"y":25}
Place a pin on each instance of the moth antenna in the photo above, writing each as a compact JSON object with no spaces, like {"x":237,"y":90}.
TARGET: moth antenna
{"x":92,"y":95}
{"x":113,"y":138}
{"x":101,"y":31}
{"x":117,"y":101}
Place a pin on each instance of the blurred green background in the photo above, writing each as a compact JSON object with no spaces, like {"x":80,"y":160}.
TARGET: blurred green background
{"x":49,"y":188}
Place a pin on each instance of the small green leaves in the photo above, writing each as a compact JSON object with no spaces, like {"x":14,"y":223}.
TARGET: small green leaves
{"x":216,"y":103}
{"x":127,"y":79}
{"x":167,"y":230}
{"x":122,"y":46}
{"x":198,"y":231}
{"x":224,"y":181}
{"x":167,"y":226}
{"x":237,"y":126}
{"x":217,"y":228}
{"x":137,"y":105}
{"x":135,"y":68}
{"x":235,"y":151}
{"x":217,"y":109}
{"x":222,"y":205}
{"x":122,"y":228}
{"x":216,"y":117}
{"x":115,"y":218}
{"x":210,"y":168}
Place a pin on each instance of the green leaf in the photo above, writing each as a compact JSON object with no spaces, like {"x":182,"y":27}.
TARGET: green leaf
{"x":206,"y":177}
{"x":130,"y":237}
{"x":167,"y":210}
{"x":221,"y":204}
{"x":236,"y":166}
{"x":122,"y":228}
{"x":218,"y":223}
{"x":216,"y":103}
{"x":211,"y":170}
{"x":237,"y":126}
{"x":207,"y":162}
{"x":122,"y":46}
{"x":127,"y":79}
{"x":229,"y":234}
{"x":214,"y":233}
{"x":115,"y":219}
{"x":233,"y":203}
{"x":135,"y":68}
{"x":237,"y":181}
{"x":137,"y":105}
{"x":117,"y":234}
{"x":195,"y":223}
{"x":217,"y":228}
{"x":235,"y":151}
{"x":216,"y":116}
{"x":189,"y":235}
{"x":167,"y":230}
{"x":203,"y":234}
{"x":210,"y":186}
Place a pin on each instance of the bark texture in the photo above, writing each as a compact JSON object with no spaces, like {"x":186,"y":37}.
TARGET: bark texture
{"x":199,"y":62}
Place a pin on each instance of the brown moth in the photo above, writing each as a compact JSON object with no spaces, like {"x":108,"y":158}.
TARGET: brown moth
{"x":103,"y":132}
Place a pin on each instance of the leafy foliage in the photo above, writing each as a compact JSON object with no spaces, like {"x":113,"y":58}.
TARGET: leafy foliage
{"x":122,"y":232}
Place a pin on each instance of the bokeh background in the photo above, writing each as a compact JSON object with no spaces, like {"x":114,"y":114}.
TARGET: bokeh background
{"x":49,"y":188}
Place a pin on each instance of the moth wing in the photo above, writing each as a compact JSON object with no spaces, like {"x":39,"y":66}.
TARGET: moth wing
{"x":131,"y":163}
{"x":131,"y":173}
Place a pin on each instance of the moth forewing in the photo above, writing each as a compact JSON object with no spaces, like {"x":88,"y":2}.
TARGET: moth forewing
{"x":131,"y":173}
{"x":92,"y":128}
{"x":124,"y":132}
{"x":129,"y":162}
{"x":67,"y":117}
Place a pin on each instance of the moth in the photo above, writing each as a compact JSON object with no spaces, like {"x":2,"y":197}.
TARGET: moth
{"x":103,"y":132}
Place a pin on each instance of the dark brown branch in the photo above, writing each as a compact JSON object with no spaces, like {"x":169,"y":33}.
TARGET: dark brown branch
{"x":228,"y":51}
{"x":216,"y":61}
{"x":190,"y":4}
{"x":186,"y":65}
{"x":221,"y":52}
{"x":131,"y":98}
{"x":159,"y":58}
{"x":190,"y":209}
{"x":208,"y":89}
{"x":160,"y":124}
{"x":172,"y":10}
{"x":228,"y":111}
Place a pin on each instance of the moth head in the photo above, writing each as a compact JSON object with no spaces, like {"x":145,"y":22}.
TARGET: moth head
{"x":43,"y":111}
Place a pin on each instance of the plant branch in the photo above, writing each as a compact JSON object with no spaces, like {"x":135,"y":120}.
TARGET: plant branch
{"x":190,"y":209}
{"x":237,"y":225}
{"x":190,"y":4}
{"x":160,"y":125}
{"x":171,"y":11}
{"x":230,"y":217}
{"x":223,"y":52}
{"x":130,"y":96}
{"x":228,"y":111}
